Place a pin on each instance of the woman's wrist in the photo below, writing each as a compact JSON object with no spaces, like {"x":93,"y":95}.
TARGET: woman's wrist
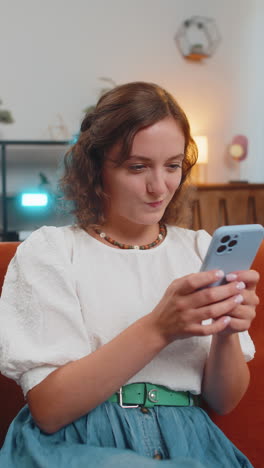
{"x":225,"y":339}
{"x":152,"y":332}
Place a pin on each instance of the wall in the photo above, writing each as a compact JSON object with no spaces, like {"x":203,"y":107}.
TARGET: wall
{"x":248,"y":112}
{"x":52,"y":54}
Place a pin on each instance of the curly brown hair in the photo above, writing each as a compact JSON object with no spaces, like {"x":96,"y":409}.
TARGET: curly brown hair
{"x":118,"y":116}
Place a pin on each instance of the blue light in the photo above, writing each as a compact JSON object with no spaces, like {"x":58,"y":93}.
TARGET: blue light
{"x":74,"y":138}
{"x":34,"y":199}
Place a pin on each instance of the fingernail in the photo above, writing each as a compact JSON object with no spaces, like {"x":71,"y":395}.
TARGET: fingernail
{"x":227,"y":319}
{"x":238,"y":299}
{"x":241,"y":285}
{"x":231,"y":277}
{"x":220,"y":274}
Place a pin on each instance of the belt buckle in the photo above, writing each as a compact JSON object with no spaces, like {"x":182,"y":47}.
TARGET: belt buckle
{"x":120,"y":393}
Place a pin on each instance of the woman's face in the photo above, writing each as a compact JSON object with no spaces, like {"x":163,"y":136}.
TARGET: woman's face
{"x":142,"y":187}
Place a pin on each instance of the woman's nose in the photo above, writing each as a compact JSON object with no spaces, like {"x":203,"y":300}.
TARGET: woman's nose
{"x":156,"y":184}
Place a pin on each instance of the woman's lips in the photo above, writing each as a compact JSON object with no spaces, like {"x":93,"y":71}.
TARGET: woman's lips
{"x":155,"y":204}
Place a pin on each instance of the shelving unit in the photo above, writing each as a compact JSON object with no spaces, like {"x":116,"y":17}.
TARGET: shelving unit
{"x":4,"y":235}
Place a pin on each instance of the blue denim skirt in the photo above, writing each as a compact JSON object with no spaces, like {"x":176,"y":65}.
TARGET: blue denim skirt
{"x":115,"y":437}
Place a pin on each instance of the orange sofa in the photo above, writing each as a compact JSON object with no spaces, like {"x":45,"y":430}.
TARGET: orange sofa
{"x":243,"y":426}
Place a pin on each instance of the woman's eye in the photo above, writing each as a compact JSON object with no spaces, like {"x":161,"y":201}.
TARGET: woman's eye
{"x":140,"y":167}
{"x":175,"y":166}
{"x":136,"y":167}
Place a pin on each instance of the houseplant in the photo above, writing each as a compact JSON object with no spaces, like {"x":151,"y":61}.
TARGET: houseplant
{"x":5,"y":116}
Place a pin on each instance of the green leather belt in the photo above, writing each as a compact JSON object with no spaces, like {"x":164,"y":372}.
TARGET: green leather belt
{"x":149,"y":395}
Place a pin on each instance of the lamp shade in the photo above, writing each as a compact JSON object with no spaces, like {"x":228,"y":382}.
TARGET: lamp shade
{"x":202,"y":144}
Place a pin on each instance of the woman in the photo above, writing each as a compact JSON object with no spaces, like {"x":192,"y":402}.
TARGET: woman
{"x":108,"y":325}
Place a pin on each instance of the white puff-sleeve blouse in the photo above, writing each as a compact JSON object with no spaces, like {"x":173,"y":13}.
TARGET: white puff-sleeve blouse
{"x":41,"y":321}
{"x":66,"y":294}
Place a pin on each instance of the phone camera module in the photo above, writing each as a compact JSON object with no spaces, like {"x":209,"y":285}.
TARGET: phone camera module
{"x":232,"y":243}
{"x":221,"y":249}
{"x":225,"y":239}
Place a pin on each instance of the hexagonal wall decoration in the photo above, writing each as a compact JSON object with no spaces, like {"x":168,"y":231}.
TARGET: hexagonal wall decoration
{"x":197,"y":38}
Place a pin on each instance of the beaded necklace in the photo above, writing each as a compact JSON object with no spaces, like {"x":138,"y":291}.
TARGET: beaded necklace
{"x":162,"y":234}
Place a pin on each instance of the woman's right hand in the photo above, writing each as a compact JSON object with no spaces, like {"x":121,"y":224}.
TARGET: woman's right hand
{"x":188,"y":301}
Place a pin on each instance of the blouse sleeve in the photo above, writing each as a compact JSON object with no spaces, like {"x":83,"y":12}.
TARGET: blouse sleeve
{"x":41,"y":323}
{"x":202,"y":242}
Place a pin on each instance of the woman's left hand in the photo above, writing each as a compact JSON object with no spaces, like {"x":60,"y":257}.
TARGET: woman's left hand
{"x":242,"y":315}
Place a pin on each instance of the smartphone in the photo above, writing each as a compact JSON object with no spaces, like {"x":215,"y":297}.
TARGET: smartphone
{"x":233,"y":248}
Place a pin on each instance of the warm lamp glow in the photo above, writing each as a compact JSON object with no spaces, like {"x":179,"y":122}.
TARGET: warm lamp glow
{"x":236,"y":151}
{"x":202,"y":144}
